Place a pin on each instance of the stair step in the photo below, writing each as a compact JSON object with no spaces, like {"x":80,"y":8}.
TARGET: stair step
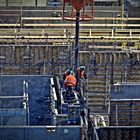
{"x":96,"y":85}
{"x":96,"y":104}
{"x":92,"y":81}
{"x":94,"y":101}
{"x":96,"y":88}
{"x":95,"y":94}
{"x":95,"y":91}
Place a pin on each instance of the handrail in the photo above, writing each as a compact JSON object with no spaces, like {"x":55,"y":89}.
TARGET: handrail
{"x":13,"y":97}
{"x":26,"y":100}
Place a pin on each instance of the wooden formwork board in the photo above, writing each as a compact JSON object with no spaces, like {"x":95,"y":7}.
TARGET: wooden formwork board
{"x":125,"y":112}
{"x":119,"y":133}
{"x":26,"y":58}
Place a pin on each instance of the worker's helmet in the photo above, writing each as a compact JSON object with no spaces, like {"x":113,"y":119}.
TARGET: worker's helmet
{"x":68,"y":72}
{"x":82,"y":68}
{"x":72,"y":73}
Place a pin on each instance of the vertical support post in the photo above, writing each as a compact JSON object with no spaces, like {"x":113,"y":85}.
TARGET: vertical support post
{"x":53,"y":71}
{"x":63,"y":9}
{"x":7,"y":3}
{"x":116,"y":107}
{"x":69,"y":55}
{"x":94,"y":65}
{"x":116,"y":134}
{"x":106,"y":84}
{"x":92,"y":8}
{"x":131,"y":113}
{"x":34,"y":55}
{"x":10,"y":55}
{"x":76,"y":41}
{"x":24,"y":55}
{"x":108,"y":134}
{"x":20,"y":55}
{"x":130,"y":33}
{"x":29,"y":54}
{"x":21,"y":13}
{"x":35,"y":2}
{"x":137,"y":133}
{"x":112,"y":32}
{"x":5,"y":55}
{"x":126,"y":7}
{"x":112,"y":70}
{"x":39,"y":56}
{"x":84,"y":10}
{"x":15,"y":55}
{"x":126,"y":66}
{"x":90,"y":32}
{"x":44,"y":66}
{"x":123,"y":13}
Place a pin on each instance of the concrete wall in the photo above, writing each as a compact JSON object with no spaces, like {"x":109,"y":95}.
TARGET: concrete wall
{"x":124,"y":105}
{"x":38,"y":89}
{"x":13,"y":117}
{"x":24,"y":2}
{"x":126,"y":91}
{"x":39,"y":133}
{"x":118,"y":133}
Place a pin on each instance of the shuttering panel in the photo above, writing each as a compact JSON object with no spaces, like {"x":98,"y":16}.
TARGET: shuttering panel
{"x":125,"y":113}
{"x":41,"y":2}
{"x":2,"y":2}
{"x":14,"y":2}
{"x":28,"y":2}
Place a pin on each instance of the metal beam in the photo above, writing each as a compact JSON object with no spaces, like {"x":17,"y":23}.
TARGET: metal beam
{"x":12,"y":97}
{"x":69,"y":25}
{"x":71,"y":37}
{"x":95,"y":18}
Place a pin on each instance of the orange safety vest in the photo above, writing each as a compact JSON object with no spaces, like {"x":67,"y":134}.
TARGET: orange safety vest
{"x":70,"y":81}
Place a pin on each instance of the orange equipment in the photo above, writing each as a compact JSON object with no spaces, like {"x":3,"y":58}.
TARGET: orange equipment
{"x":77,"y":6}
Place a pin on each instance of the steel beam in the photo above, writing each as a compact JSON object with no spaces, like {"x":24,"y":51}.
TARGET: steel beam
{"x":95,"y":18}
{"x":69,"y":25}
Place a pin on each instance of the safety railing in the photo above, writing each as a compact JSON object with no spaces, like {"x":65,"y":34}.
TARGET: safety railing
{"x":26,"y":100}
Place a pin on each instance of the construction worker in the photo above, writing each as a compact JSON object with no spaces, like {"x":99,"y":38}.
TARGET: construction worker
{"x":80,"y":74}
{"x":69,"y":83}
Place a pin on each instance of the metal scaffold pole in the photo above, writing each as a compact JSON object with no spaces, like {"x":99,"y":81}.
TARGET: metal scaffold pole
{"x":123,"y":12}
{"x":76,"y":41}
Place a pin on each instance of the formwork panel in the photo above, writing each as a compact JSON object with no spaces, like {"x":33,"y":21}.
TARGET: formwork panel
{"x":40,"y":133}
{"x":118,"y":133}
{"x":125,"y":113}
{"x":28,"y":3}
{"x":13,"y":117}
{"x":33,"y":60}
{"x":38,"y":90}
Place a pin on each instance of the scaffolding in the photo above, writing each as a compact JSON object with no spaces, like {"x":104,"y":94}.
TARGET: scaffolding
{"x":34,"y":60}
